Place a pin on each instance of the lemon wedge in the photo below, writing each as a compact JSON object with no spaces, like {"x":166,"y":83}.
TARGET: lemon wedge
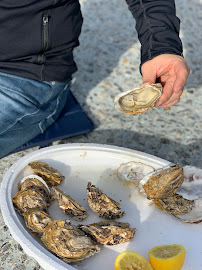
{"x":167,"y":257}
{"x":130,"y":260}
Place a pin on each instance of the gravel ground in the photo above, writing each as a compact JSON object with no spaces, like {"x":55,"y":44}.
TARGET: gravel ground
{"x":108,"y":62}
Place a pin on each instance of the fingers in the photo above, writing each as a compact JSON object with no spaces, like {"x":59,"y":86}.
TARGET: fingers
{"x":175,"y":98}
{"x":167,"y":94}
{"x":181,"y":77}
{"x":148,"y":74}
{"x":173,"y":90}
{"x":169,"y":97}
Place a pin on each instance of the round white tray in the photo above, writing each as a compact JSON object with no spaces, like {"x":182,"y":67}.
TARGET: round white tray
{"x":81,"y":163}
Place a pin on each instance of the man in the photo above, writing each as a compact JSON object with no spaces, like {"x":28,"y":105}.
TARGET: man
{"x":37,"y":39}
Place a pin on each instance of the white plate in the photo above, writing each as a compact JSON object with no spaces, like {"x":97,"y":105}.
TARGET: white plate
{"x":80,"y":163}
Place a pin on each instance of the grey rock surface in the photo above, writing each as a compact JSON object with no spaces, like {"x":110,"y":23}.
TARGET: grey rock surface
{"x":108,"y":62}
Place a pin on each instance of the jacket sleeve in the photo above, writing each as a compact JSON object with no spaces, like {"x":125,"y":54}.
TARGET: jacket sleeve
{"x":157,"y":27}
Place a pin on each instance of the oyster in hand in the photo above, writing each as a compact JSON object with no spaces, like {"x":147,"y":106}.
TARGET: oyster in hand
{"x":163,"y":183}
{"x":69,"y":205}
{"x":45,"y":171}
{"x":28,"y":199}
{"x":68,"y":242}
{"x":37,"y":220}
{"x":138,"y":100}
{"x":102,"y":205}
{"x":109,"y":232}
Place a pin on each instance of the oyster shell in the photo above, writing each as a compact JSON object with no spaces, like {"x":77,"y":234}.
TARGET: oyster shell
{"x":35,"y":182}
{"x":133,"y":171}
{"x":37,"y":220}
{"x":102,"y":205}
{"x":195,"y":215}
{"x":191,"y":188}
{"x":48,"y":173}
{"x":109,"y":232}
{"x":176,"y":205}
{"x":68,"y":242}
{"x":69,"y":205}
{"x":188,"y":206}
{"x":138,"y":100}
{"x":163,"y":183}
{"x":28,"y":199}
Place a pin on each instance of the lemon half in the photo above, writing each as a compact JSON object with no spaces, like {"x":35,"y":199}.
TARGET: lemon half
{"x":167,"y":257}
{"x":130,"y":260}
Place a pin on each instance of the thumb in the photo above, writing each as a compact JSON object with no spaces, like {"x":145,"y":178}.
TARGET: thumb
{"x":148,"y":76}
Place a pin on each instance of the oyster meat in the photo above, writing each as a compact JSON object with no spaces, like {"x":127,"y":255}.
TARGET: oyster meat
{"x":102,"y":205}
{"x":68,"y":242}
{"x":35,"y":182}
{"x":133,"y":171}
{"x":28,"y":199}
{"x":176,"y":205}
{"x":69,"y":205}
{"x":109,"y":232}
{"x":52,"y":176}
{"x":37,"y":220}
{"x":138,"y":100}
{"x":163,"y":183}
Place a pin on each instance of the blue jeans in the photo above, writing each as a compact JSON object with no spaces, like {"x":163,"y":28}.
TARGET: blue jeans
{"x":27,"y":109}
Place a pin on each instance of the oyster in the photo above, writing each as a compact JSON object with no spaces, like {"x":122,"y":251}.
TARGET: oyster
{"x":28,"y":199}
{"x":109,"y":232}
{"x":37,"y":220}
{"x":163,"y":183}
{"x":138,"y":100}
{"x":35,"y":182}
{"x":176,"y":205}
{"x":188,"y":206}
{"x":133,"y":171}
{"x":68,"y":242}
{"x":69,"y":205}
{"x":102,"y":205}
{"x":48,"y":173}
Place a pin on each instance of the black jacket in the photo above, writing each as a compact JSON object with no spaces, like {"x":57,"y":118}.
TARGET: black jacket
{"x":37,"y":37}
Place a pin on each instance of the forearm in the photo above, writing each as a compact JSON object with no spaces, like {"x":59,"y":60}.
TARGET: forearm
{"x":157,"y":27}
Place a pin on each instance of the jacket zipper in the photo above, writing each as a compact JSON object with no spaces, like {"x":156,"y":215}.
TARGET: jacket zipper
{"x":45,"y":20}
{"x":45,"y":32}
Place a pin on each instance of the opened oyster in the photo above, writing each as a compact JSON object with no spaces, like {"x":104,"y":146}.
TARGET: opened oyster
{"x":35,"y":182}
{"x":133,"y":171}
{"x":68,"y":242}
{"x":109,"y":232}
{"x":188,"y":206}
{"x":28,"y":199}
{"x":37,"y":220}
{"x":163,"y":183}
{"x":102,"y":205}
{"x":138,"y":100}
{"x":48,"y":173}
{"x":69,"y":205}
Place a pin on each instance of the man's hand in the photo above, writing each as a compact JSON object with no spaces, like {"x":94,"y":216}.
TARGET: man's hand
{"x":172,"y":72}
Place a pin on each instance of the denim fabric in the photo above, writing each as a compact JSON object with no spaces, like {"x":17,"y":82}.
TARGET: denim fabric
{"x":27,"y":108}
